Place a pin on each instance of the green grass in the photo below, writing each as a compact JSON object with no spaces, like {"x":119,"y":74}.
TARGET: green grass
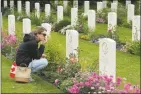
{"x":125,"y":34}
{"x":10,"y":86}
{"x":128,"y":65}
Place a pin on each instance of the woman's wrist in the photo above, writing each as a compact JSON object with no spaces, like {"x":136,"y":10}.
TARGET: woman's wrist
{"x":42,"y":43}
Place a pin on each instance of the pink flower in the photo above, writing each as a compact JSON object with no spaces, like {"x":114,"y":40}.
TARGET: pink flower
{"x":105,"y":77}
{"x":127,"y":86}
{"x":94,"y":74}
{"x":138,"y":91}
{"x":74,"y":89}
{"x":118,"y":81}
{"x":90,"y":79}
{"x":87,"y":84}
{"x":56,"y":81}
{"x":107,"y":87}
{"x":11,"y":39}
{"x":80,"y":25}
{"x":97,"y":85}
{"x":81,"y":84}
{"x":110,"y":30}
{"x":99,"y":77}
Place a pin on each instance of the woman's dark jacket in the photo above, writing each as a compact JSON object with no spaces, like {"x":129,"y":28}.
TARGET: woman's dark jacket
{"x":28,"y":50}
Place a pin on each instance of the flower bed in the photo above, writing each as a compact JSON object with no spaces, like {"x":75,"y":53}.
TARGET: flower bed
{"x":69,"y":78}
{"x":8,"y":46}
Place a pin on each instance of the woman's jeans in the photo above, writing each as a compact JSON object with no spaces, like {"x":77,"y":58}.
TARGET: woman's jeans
{"x":38,"y":64}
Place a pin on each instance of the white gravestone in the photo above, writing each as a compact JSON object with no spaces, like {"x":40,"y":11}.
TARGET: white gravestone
{"x":56,"y":2}
{"x":91,"y":19}
{"x":107,"y":57}
{"x":114,"y":7}
{"x":139,"y":5}
{"x":130,"y":12}
{"x":104,"y":4}
{"x":0,"y":18}
{"x":127,"y":2}
{"x":65,"y":2}
{"x":11,"y":4}
{"x":72,"y":41}
{"x":47,"y":10}
{"x":115,"y":1}
{"x":1,"y":26}
{"x":27,"y":8}
{"x":112,"y":21}
{"x":136,"y":28}
{"x":19,"y":6}
{"x":26,"y":26}
{"x":0,"y":6}
{"x":74,"y":16}
{"x":59,"y":13}
{"x":99,"y":6}
{"x":11,"y":24}
{"x":37,"y":10}
{"x":5,"y":3}
{"x":86,"y":4}
{"x":75,"y":4}
{"x":47,"y":26}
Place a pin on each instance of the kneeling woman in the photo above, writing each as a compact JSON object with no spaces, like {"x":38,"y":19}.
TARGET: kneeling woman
{"x":29,"y":53}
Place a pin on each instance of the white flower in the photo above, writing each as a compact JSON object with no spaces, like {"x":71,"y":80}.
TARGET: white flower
{"x":108,"y":90}
{"x":99,"y":92}
{"x":92,"y":88}
{"x":124,"y":79}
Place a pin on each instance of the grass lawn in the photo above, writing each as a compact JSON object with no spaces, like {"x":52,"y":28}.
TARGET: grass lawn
{"x":128,"y":65}
{"x":10,"y":86}
{"x":125,"y":34}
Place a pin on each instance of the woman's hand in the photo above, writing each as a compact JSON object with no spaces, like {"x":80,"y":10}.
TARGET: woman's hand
{"x":43,"y":56}
{"x":43,"y":42}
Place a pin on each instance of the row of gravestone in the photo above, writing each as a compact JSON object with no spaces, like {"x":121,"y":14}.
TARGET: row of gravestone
{"x":112,"y":22}
{"x":100,"y":6}
{"x":112,"y":17}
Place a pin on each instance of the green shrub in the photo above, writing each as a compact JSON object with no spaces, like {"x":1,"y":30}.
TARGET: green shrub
{"x":67,"y":11}
{"x":65,"y":84}
{"x":103,"y":15}
{"x":7,"y":11}
{"x":114,"y":35}
{"x":137,"y":10}
{"x":49,"y":19}
{"x":36,"y":21}
{"x":60,"y":25}
{"x":121,"y":14}
{"x":91,"y":35}
{"x":82,"y":26}
{"x":54,"y":52}
{"x":127,"y":25}
{"x":133,"y":47}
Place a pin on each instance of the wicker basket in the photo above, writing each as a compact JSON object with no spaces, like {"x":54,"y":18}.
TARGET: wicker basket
{"x":22,"y":74}
{"x":24,"y":80}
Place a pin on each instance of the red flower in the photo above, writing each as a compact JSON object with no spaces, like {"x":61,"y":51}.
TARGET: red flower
{"x":110,"y":30}
{"x":59,"y":69}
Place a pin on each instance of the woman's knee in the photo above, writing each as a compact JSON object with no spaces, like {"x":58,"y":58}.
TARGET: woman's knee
{"x":44,"y":61}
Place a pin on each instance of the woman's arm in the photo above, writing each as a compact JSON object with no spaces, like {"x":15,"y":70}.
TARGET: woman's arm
{"x":34,"y":51}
